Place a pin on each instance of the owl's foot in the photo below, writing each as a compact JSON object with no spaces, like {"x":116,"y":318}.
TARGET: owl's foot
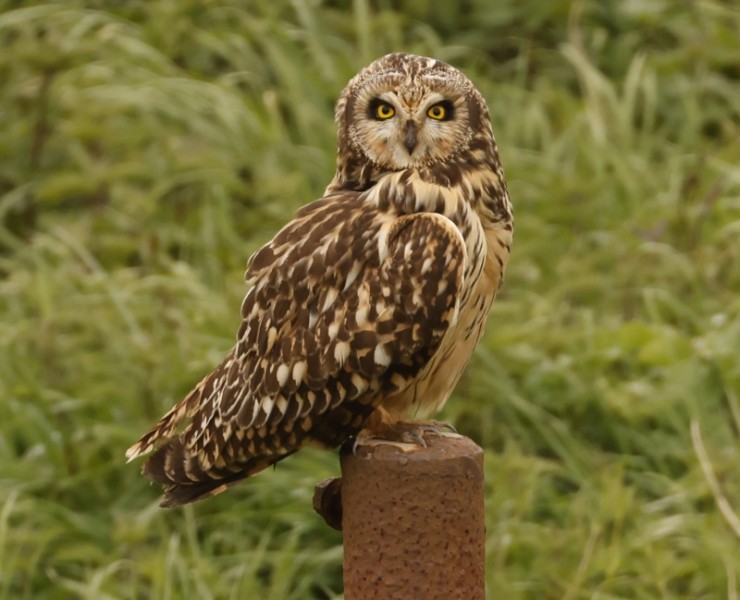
{"x":406,"y":435}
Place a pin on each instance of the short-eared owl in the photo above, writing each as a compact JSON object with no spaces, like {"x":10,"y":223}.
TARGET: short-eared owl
{"x":365,"y":308}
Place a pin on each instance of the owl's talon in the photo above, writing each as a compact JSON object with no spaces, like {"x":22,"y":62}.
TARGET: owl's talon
{"x":364,"y":437}
{"x":435,"y":427}
{"x":414,"y":437}
{"x":406,"y":435}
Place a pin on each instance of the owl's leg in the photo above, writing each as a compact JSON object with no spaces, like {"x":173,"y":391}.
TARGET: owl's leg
{"x":381,"y":428}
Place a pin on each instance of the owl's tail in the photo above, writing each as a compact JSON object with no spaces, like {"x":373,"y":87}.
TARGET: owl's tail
{"x":192,"y":471}
{"x":168,"y":425}
{"x":185,"y":481}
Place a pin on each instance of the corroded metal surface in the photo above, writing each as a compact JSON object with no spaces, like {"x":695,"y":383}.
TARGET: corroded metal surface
{"x":327,"y":501}
{"x":413,"y":522}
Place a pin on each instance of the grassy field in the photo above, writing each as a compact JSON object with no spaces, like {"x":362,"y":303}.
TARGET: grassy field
{"x":147,"y":148}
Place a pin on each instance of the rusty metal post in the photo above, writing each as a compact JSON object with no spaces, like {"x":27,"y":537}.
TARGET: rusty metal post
{"x":413,"y":522}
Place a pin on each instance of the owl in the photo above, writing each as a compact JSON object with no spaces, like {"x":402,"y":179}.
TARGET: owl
{"x":363,"y":311}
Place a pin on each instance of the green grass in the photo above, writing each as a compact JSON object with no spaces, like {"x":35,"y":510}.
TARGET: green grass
{"x":147,"y":148}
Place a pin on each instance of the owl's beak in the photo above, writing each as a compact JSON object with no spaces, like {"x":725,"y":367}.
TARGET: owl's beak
{"x":410,"y":140}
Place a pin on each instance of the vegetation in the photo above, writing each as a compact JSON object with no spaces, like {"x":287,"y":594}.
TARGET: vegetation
{"x":147,"y":148}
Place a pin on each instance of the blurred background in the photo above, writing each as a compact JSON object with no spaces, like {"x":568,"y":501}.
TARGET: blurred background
{"x":147,"y":148}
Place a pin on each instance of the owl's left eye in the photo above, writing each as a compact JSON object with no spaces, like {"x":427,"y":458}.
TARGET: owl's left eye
{"x":441,"y":111}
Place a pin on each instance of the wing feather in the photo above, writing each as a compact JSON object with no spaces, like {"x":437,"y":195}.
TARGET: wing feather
{"x":348,"y":303}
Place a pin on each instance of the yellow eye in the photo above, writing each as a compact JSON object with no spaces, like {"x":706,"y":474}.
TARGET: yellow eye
{"x":438,"y":112}
{"x":384,"y":111}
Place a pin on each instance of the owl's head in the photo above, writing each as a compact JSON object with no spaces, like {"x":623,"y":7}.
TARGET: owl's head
{"x":405,"y":111}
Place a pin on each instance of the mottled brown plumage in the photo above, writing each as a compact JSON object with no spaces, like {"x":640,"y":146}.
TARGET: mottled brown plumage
{"x":366,"y":307}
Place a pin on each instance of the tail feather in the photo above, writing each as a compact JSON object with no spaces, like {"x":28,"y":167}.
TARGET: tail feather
{"x":210,"y":454}
{"x":166,"y":427}
{"x":177,"y":493}
{"x":182,"y":412}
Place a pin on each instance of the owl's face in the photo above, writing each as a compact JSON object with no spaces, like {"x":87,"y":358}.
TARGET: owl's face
{"x":405,"y":111}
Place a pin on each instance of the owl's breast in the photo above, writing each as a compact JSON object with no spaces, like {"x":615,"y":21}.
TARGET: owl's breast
{"x":487,"y":253}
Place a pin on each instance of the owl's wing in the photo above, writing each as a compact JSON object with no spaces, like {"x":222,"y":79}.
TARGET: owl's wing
{"x":348,"y":303}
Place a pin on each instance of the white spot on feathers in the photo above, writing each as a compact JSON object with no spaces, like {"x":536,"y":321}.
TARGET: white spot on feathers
{"x":299,"y":370}
{"x":331,"y":296}
{"x":408,"y":250}
{"x":341,"y":352}
{"x":282,"y":374}
{"x":426,"y":266}
{"x":381,"y":356}
{"x":352,"y":275}
{"x":311,"y":397}
{"x":361,"y":316}
{"x":266,"y":405}
{"x":383,"y":241}
{"x":271,"y":337}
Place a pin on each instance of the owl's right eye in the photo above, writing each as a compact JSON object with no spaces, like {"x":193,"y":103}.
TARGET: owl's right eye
{"x":382,"y":110}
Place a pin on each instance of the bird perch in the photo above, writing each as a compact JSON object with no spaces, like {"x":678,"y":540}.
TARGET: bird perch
{"x":413,"y":522}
